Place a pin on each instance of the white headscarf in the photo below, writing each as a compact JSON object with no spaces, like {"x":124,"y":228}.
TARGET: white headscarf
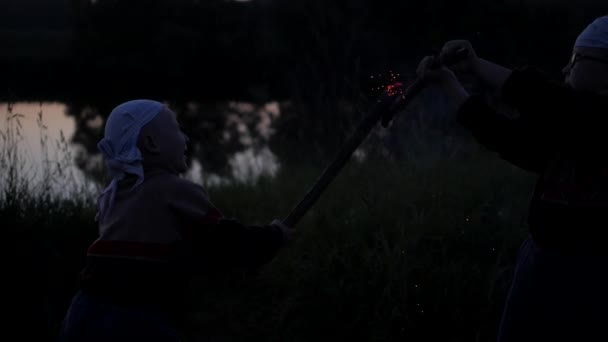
{"x":119,"y":146}
{"x":595,"y":35}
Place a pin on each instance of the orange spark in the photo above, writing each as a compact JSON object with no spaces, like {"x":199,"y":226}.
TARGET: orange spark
{"x":388,"y":84}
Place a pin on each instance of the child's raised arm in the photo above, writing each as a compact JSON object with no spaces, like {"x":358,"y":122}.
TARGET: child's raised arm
{"x":216,"y":243}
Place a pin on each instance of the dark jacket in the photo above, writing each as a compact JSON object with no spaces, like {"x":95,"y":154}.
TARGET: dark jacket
{"x":559,"y":136}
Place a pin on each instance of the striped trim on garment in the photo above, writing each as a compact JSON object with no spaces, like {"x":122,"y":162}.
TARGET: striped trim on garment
{"x":132,"y":250}
{"x":143,"y":250}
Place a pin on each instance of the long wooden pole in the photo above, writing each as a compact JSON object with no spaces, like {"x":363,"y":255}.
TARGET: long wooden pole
{"x":383,"y":110}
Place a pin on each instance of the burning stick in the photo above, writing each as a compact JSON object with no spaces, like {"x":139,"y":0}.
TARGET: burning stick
{"x":382,"y":111}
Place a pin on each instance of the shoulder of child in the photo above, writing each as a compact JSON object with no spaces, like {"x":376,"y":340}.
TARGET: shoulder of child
{"x":188,"y":200}
{"x":174,"y":186}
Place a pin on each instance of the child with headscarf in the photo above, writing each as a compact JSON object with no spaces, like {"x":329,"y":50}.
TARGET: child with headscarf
{"x":156,"y":229}
{"x":560,"y":286}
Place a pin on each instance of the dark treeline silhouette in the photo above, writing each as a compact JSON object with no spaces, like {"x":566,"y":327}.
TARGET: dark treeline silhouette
{"x":220,"y":49}
{"x":313,"y":56}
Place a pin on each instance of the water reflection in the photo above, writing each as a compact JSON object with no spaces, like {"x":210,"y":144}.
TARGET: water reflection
{"x":57,"y":140}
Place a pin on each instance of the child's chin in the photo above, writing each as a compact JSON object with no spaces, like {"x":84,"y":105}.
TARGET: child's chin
{"x":183,"y":167}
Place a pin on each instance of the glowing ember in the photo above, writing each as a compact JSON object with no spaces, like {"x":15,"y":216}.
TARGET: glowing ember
{"x":387,"y":84}
{"x":394,"y":89}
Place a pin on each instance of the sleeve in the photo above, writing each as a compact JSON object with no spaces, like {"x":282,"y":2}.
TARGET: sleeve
{"x":566,"y":115}
{"x":515,"y":140}
{"x":230,"y":244}
{"x":216,"y":243}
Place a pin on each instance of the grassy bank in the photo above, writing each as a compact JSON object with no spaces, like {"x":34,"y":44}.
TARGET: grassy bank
{"x":391,"y":251}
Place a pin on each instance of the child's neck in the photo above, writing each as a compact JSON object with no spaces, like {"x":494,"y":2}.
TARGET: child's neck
{"x":149,"y":169}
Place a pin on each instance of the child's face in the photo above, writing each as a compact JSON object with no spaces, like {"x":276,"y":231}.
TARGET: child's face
{"x":587,"y":70}
{"x":175,"y":142}
{"x":169,"y":143}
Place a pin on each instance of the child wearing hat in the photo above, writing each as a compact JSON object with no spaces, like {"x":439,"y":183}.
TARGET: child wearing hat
{"x":560,"y":286}
{"x":156,"y":229}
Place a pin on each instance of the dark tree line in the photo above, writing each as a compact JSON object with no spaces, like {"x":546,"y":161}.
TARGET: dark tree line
{"x":313,"y":56}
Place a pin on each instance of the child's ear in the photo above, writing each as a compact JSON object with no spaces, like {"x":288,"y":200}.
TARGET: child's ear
{"x":149,"y":145}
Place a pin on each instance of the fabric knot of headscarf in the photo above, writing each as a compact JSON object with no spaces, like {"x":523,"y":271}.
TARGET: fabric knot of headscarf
{"x":119,"y":146}
{"x":595,"y":35}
